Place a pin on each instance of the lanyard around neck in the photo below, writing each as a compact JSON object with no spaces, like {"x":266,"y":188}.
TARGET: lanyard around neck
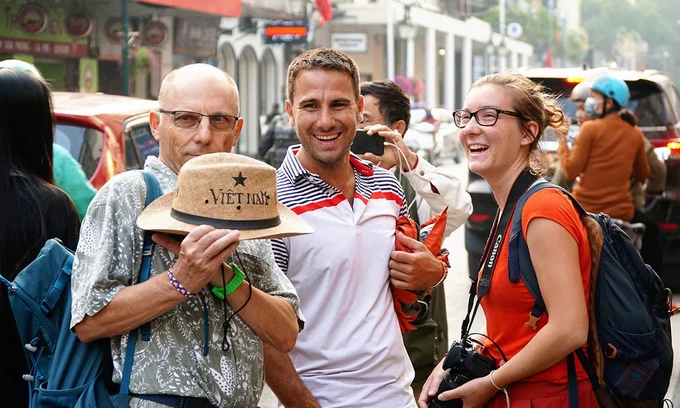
{"x":494,"y":244}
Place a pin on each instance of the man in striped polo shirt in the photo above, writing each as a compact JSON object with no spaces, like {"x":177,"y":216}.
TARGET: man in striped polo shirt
{"x":351,"y":353}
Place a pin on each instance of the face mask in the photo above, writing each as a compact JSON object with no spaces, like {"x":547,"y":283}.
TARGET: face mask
{"x":590,"y":106}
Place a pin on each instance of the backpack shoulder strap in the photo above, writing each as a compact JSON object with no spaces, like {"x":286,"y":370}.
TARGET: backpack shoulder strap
{"x":519,"y":259}
{"x":153,"y":191}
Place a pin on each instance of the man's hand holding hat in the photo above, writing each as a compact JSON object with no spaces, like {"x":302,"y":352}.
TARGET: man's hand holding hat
{"x":200,"y":256}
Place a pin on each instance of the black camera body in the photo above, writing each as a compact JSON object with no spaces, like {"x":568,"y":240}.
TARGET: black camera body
{"x":363,"y":143}
{"x":465,"y":364}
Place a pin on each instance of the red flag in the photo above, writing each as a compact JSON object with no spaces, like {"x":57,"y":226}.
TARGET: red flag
{"x":325,"y":10}
{"x":547,"y":58}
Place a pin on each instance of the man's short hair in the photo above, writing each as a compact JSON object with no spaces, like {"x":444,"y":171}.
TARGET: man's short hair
{"x":324,"y":59}
{"x":394,"y":104}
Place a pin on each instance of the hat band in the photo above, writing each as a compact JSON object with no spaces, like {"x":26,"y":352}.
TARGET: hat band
{"x":225,"y":224}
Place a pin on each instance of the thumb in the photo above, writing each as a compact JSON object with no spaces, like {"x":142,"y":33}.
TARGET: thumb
{"x":165,"y":241}
{"x":410,"y":243}
{"x":449,"y":395}
{"x":373,"y":158}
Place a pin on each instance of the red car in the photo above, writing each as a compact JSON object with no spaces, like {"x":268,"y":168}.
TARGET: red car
{"x":107,"y":134}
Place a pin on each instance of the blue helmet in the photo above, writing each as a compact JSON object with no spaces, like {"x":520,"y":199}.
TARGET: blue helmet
{"x":612,"y":88}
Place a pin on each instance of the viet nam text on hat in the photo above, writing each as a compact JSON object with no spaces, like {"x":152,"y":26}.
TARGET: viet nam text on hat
{"x":228,"y":191}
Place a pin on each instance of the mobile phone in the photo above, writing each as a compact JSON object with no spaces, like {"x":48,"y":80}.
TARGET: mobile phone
{"x":363,"y":143}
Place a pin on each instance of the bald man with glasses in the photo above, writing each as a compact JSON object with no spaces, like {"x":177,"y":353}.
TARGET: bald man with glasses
{"x":183,"y":363}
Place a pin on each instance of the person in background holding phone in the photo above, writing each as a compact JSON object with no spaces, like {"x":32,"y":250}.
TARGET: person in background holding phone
{"x":351,"y":353}
{"x":387,"y":113}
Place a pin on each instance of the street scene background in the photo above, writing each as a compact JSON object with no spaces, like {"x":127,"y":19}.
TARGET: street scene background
{"x":111,"y":55}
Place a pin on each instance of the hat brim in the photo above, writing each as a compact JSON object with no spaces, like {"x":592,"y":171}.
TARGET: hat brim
{"x":156,"y":217}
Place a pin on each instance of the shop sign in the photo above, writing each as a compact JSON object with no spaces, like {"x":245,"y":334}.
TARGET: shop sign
{"x":57,"y":49}
{"x":155,"y":33}
{"x":32,"y":18}
{"x":88,"y":73}
{"x":36,"y":23}
{"x":196,"y":36}
{"x":349,"y":42}
{"x":285,"y":32}
{"x":78,"y":24}
{"x":113,"y":29}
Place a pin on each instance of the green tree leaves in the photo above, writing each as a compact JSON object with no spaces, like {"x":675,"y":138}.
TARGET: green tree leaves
{"x":656,"y":21}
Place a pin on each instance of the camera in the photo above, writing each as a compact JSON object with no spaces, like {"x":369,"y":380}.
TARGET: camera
{"x":363,"y":143}
{"x":465,"y":364}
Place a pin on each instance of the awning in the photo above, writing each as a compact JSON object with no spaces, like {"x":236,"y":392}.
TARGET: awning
{"x":224,"y":8}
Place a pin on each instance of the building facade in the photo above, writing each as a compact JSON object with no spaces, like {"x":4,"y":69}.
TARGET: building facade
{"x":390,"y":38}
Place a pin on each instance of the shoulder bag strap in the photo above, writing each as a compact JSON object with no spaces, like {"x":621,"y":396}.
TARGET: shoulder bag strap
{"x":153,"y":191}
{"x":493,"y":247}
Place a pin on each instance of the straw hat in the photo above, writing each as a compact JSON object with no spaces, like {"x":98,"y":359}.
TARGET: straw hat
{"x":224,"y":190}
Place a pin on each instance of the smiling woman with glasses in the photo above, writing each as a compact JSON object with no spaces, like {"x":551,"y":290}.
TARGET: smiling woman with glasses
{"x":529,"y":357}
{"x":484,"y":116}
{"x":190,"y":120}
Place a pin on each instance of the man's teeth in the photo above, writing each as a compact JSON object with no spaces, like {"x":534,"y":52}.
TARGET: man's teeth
{"x":326,"y":137}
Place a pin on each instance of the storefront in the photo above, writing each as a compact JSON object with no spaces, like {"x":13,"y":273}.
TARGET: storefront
{"x":57,"y":40}
{"x":196,"y":40}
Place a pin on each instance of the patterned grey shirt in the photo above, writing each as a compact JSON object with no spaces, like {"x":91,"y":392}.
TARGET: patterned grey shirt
{"x":109,"y":258}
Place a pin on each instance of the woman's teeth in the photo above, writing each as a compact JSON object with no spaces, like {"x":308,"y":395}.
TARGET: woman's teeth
{"x":476,"y":148}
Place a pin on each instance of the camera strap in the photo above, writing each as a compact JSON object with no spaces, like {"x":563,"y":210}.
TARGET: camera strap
{"x":493,"y":247}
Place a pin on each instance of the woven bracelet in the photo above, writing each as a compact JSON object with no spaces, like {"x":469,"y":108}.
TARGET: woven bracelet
{"x":503,"y":389}
{"x":181,"y":289}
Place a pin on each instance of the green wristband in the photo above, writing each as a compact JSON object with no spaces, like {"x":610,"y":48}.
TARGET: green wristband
{"x":233,"y":284}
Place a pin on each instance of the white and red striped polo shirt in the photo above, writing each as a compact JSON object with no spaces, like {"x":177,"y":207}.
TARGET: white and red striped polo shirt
{"x":351,"y":352}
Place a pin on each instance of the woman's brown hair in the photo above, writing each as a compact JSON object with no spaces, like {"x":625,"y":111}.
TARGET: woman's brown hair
{"x":530,"y":100}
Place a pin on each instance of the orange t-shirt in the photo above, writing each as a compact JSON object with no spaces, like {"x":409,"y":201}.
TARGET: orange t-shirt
{"x":507,"y":305}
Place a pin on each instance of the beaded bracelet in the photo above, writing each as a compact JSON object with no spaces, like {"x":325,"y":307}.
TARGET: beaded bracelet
{"x":181,"y":289}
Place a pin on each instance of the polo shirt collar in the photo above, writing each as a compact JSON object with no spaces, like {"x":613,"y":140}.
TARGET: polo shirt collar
{"x":294,"y":171}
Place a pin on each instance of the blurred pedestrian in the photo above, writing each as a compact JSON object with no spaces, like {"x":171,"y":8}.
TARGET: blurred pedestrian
{"x":502,"y":121}
{"x":70,"y":177}
{"x":280,"y":135}
{"x":272,"y":113}
{"x":68,"y":173}
{"x":33,"y":209}
{"x":607,"y":152}
{"x":578,"y":95}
